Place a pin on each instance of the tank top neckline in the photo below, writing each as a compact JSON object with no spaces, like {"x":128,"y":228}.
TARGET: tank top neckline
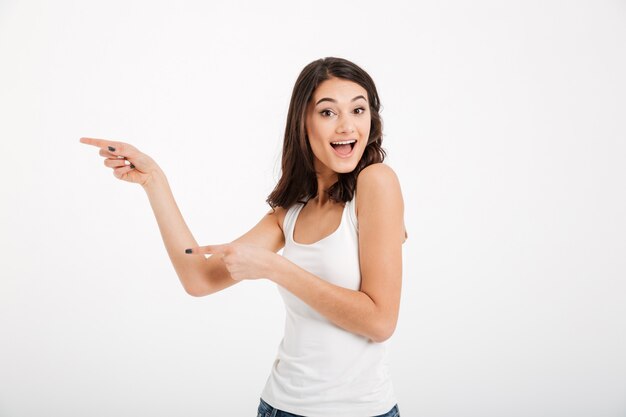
{"x":295,"y":219}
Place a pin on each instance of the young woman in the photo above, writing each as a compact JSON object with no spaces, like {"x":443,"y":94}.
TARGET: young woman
{"x":338,"y":212}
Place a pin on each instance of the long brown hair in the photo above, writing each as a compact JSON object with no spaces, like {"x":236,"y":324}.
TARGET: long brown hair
{"x":298,"y":180}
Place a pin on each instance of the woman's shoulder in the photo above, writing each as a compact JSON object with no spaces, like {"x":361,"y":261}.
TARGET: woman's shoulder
{"x":377,"y":171}
{"x":375,"y":177}
{"x":280,"y":213}
{"x":379,"y":182}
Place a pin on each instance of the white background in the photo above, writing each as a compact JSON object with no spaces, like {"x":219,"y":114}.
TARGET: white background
{"x":503,"y":120}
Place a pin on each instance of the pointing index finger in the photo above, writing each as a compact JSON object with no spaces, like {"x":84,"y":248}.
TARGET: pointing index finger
{"x":93,"y":141}
{"x":101,"y":143}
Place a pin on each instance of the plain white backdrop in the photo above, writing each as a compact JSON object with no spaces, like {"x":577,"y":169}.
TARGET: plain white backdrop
{"x":503,"y":120}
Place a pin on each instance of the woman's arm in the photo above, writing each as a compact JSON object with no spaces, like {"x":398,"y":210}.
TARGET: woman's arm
{"x":373,"y":310}
{"x":175,"y":233}
{"x":351,"y":310}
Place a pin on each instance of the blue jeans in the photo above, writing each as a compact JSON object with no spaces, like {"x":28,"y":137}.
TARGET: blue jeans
{"x":266,"y":410}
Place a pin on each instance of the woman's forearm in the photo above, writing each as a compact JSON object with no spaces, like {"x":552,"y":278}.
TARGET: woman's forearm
{"x":351,"y":310}
{"x":175,"y":233}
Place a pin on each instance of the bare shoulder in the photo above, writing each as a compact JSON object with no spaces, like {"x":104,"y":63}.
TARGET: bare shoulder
{"x":373,"y":178}
{"x":379,"y":183}
{"x":378,"y":172}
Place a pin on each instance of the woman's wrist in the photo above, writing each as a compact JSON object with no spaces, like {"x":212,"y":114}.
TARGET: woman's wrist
{"x":156,"y":179}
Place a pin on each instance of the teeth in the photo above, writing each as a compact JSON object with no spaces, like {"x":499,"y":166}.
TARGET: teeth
{"x":343,"y":142}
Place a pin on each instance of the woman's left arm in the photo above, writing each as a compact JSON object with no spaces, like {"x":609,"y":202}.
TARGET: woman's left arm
{"x":373,"y":310}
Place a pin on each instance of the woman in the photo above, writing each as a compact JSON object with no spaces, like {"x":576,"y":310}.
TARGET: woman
{"x":338,"y":212}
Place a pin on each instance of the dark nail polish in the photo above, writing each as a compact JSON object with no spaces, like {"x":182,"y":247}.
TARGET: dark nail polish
{"x":188,"y":250}
{"x":111,"y":148}
{"x":132,"y":166}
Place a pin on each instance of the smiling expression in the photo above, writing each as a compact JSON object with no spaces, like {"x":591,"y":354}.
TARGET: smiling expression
{"x":338,"y":111}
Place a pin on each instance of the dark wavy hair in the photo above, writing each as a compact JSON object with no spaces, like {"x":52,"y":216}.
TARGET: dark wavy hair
{"x":298,"y":180}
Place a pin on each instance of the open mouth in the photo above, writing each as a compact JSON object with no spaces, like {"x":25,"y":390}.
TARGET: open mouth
{"x":344,"y":148}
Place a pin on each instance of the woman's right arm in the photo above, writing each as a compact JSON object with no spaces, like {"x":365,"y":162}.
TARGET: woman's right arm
{"x":176,"y":235}
{"x":198,"y":275}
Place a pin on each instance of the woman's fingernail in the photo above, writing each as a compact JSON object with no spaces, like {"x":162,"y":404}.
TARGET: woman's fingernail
{"x":132,"y":166}
{"x":188,"y":251}
{"x":111,"y":148}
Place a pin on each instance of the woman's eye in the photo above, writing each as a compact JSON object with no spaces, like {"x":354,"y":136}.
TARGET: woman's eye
{"x":325,"y":112}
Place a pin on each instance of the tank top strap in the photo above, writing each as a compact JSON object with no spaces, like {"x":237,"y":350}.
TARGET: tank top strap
{"x":290,"y":216}
{"x":351,"y":208}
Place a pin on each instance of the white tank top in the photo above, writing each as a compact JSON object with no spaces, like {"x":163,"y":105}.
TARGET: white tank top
{"x":322,"y":370}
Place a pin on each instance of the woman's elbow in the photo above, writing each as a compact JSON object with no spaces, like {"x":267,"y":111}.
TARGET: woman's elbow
{"x":384,"y":332}
{"x":197,"y":291}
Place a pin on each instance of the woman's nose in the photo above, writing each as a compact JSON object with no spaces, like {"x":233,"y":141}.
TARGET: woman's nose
{"x":346,"y":128}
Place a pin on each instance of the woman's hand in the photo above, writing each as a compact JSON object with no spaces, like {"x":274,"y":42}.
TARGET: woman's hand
{"x":243,"y":261}
{"x":141,"y":167}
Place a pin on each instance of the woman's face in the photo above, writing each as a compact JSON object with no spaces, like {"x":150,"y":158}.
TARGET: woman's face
{"x":338,"y":111}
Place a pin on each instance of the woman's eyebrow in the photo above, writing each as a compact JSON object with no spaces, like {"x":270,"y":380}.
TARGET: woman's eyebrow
{"x":334,"y":101}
